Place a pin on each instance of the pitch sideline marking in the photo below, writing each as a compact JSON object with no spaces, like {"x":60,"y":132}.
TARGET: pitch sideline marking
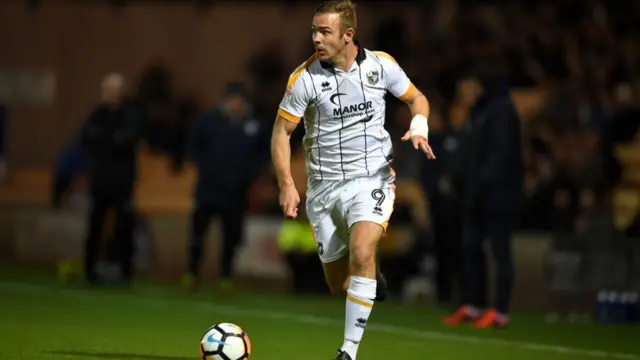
{"x":324,"y":321}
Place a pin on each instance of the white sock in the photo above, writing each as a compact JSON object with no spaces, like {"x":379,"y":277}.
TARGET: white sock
{"x":360,"y":297}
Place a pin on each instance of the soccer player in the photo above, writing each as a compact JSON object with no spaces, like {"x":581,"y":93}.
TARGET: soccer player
{"x":339,"y":92}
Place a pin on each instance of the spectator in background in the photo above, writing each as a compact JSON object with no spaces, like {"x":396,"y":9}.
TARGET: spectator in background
{"x":441,"y":181}
{"x":166,"y":115}
{"x":110,"y":137}
{"x":229,"y":149}
{"x":493,"y":195}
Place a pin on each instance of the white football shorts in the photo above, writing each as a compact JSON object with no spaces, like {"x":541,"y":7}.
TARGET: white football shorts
{"x":334,"y":206}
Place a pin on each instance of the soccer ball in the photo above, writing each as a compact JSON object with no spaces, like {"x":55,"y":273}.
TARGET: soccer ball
{"x":225,"y":341}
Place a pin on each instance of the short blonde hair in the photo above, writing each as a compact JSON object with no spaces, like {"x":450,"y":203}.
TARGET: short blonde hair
{"x":345,"y":8}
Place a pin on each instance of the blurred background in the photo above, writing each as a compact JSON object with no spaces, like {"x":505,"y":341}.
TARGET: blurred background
{"x":573,"y":71}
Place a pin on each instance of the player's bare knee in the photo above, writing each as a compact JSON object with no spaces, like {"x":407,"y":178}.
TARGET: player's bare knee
{"x":364,"y":239}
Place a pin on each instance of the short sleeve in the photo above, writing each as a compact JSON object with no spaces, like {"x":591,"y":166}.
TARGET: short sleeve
{"x":296,"y":98}
{"x":397,"y":81}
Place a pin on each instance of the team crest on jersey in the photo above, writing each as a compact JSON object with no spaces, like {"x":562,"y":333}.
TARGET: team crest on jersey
{"x":373,"y":76}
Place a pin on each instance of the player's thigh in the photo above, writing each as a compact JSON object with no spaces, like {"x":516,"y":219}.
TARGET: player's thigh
{"x":367,"y":217}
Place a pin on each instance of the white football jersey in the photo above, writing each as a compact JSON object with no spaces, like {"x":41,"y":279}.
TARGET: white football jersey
{"x":344,"y":113}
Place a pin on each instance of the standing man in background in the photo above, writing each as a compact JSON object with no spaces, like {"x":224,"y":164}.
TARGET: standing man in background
{"x":110,"y":138}
{"x":228,"y":147}
{"x":442,"y":182}
{"x":494,"y":190}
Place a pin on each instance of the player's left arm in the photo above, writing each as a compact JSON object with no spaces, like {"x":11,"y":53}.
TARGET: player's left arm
{"x":399,"y":84}
{"x":418,"y":132}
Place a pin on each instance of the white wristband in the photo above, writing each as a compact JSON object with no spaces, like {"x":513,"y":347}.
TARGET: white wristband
{"x":419,"y":126}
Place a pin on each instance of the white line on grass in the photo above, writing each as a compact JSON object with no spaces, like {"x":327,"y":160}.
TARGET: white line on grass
{"x":324,"y":321}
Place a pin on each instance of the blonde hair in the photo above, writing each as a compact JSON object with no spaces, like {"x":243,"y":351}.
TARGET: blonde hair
{"x":345,"y":8}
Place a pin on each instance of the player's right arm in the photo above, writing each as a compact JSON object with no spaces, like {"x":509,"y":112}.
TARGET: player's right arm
{"x":290,"y":112}
{"x":281,"y":157}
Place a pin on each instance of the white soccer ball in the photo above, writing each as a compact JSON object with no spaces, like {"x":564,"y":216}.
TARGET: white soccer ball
{"x":225,"y":341}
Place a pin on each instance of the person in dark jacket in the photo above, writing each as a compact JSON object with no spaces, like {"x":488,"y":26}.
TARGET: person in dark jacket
{"x":229,"y":149}
{"x":110,"y":137}
{"x":495,"y":173}
{"x":441,"y":181}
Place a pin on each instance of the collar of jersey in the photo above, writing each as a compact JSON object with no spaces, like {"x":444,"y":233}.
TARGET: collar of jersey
{"x":360,"y":57}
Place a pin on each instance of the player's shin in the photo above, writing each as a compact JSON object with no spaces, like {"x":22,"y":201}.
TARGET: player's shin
{"x":359,"y":304}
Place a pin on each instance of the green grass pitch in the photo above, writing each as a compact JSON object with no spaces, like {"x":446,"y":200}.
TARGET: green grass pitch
{"x":40,"y":319}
